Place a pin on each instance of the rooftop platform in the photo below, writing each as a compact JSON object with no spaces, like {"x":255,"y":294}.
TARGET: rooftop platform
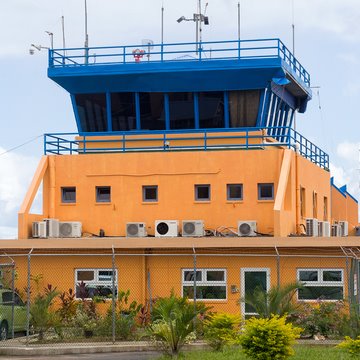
{"x":206,"y":66}
{"x":186,"y":140}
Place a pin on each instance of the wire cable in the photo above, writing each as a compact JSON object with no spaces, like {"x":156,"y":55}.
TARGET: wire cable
{"x":21,"y":145}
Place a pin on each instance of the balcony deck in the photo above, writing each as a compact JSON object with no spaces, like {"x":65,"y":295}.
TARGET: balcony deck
{"x":185,"y":140}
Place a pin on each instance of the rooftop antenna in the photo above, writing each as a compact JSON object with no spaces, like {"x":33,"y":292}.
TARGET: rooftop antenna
{"x":238,"y":5}
{"x":198,"y":18}
{"x":86,"y":45}
{"x":293,"y":45}
{"x":63,"y":31}
{"x":162,"y":23}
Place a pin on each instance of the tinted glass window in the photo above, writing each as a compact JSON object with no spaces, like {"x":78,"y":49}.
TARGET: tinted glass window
{"x":103,"y":194}
{"x":92,"y":112}
{"x":244,"y":107}
{"x":215,"y":275}
{"x":152,"y":113}
{"x":150,"y":193}
{"x":123,"y":111}
{"x":234,"y":192}
{"x":266,"y":191}
{"x":202,"y":192}
{"x":211,"y":110}
{"x":321,"y":292}
{"x":308,"y":275}
{"x":189,"y":276}
{"x":181,"y":110}
{"x":68,"y":194}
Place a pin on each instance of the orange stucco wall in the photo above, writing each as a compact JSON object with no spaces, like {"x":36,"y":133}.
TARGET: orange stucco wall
{"x":175,"y":174}
{"x":344,"y":208}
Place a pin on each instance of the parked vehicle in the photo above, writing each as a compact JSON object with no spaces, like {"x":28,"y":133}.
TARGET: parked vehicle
{"x":8,"y":318}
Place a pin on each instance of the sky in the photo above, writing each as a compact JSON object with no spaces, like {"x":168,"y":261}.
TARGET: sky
{"x":327,"y":43}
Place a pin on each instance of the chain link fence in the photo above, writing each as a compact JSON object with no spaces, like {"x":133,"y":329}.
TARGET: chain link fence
{"x":79,"y":297}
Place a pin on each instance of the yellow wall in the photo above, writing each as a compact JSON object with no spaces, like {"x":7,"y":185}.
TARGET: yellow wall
{"x":166,"y":273}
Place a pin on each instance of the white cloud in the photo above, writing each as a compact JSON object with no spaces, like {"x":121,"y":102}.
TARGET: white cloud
{"x":16,"y":172}
{"x":349,"y":151}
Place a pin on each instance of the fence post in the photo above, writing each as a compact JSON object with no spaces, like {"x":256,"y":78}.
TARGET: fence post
{"x":28,"y":298}
{"x":13,"y":301}
{"x":277,"y":266}
{"x":194,"y":257}
{"x":113,"y":307}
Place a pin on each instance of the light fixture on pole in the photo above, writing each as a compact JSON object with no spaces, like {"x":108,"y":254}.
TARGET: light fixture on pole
{"x":36,"y":47}
{"x":198,"y":18}
{"x":51,"y":35}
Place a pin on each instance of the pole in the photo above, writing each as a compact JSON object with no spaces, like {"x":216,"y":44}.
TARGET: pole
{"x":200,"y":26}
{"x":239,"y":37}
{"x":113,"y":309}
{"x":28,"y":298}
{"x":86,"y":45}
{"x":293,"y":47}
{"x":162,"y":24}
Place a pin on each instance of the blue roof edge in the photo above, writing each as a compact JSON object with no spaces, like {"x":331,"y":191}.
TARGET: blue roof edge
{"x":342,"y":190}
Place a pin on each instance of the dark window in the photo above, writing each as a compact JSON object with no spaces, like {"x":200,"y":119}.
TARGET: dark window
{"x":103,"y":194}
{"x":265,"y":191}
{"x":234,"y":191}
{"x":152,"y":112}
{"x":181,"y":107}
{"x":189,"y":275}
{"x":211,"y":110}
{"x":321,"y":292}
{"x":150,"y":193}
{"x":202,"y":192}
{"x":123,"y":111}
{"x":92,"y":112}
{"x":244,"y":107}
{"x":68,"y":194}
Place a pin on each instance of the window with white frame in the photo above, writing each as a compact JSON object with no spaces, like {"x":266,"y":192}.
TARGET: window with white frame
{"x":210,"y":284}
{"x":94,"y":282}
{"x":321,"y":284}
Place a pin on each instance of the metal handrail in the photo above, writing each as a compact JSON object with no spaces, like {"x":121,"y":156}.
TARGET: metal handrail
{"x":175,"y":140}
{"x":190,"y":51}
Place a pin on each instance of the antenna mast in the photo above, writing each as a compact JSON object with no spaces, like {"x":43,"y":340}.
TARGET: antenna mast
{"x":86,"y":45}
{"x":239,"y":37}
{"x":162,"y":23}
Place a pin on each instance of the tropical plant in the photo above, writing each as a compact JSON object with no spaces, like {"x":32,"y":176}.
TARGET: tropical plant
{"x":174,"y":321}
{"x":42,"y":315}
{"x":279,"y":300}
{"x":221,"y":330}
{"x":269,"y":338}
{"x":322,"y":318}
{"x":68,"y":305}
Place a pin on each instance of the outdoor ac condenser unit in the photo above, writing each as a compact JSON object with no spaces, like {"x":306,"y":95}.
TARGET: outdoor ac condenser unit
{"x":192,"y":228}
{"x":247,"y":228}
{"x":312,"y":227}
{"x":70,"y":229}
{"x":52,"y":228}
{"x":168,"y":228}
{"x":39,"y":229}
{"x":324,"y":228}
{"x":344,"y":225}
{"x":336,"y":230}
{"x":136,"y":229}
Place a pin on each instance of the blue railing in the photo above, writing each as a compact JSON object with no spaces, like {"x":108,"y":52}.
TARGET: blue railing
{"x":204,"y":51}
{"x":185,"y":140}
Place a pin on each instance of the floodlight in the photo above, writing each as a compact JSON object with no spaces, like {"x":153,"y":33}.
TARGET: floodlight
{"x":179,"y":20}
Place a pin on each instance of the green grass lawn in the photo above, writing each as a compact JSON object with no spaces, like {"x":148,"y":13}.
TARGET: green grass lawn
{"x":302,"y":352}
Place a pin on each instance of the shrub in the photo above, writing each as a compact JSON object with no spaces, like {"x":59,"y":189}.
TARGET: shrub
{"x":221,"y":330}
{"x":268,"y":339}
{"x":351,"y":346}
{"x":174,"y":322}
{"x":324,"y":318}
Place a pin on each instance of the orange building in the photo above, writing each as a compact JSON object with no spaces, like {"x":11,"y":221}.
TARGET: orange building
{"x":184,"y":167}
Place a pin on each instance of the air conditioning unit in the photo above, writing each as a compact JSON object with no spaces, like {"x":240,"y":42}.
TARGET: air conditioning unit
{"x":168,"y":228}
{"x":312,"y":227}
{"x":136,"y":229}
{"x":247,"y":228}
{"x":39,"y":229}
{"x":70,"y":229}
{"x":324,"y":229}
{"x":344,"y":225}
{"x":52,"y":228}
{"x":336,"y":230}
{"x":192,"y":228}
